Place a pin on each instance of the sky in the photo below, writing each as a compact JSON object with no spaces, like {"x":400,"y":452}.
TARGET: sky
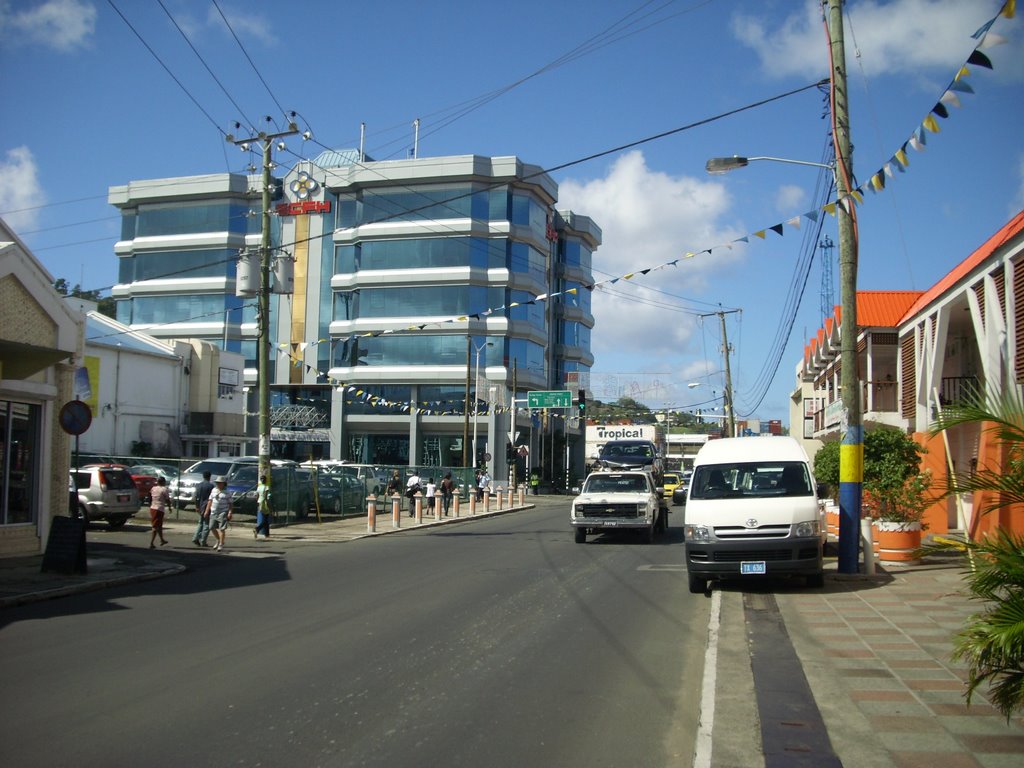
{"x":626,"y":99}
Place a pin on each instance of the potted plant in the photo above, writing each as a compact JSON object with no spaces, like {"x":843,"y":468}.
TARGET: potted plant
{"x":897,"y":512}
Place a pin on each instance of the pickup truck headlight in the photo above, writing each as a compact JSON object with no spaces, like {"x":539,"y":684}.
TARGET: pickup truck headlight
{"x":807,"y":529}
{"x":697,"y":532}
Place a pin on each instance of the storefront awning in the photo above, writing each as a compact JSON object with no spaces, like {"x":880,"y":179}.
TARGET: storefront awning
{"x":19,"y":361}
{"x":301,"y":435}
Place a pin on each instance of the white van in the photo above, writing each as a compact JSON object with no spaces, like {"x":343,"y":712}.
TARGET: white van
{"x":752,"y":509}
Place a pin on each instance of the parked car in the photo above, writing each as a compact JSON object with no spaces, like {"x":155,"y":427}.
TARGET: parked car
{"x":145,"y":478}
{"x":338,"y":493}
{"x":290,"y":491}
{"x":105,"y":492}
{"x":183,"y":488}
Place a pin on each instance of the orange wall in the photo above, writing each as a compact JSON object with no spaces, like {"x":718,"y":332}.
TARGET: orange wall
{"x":935,"y":517}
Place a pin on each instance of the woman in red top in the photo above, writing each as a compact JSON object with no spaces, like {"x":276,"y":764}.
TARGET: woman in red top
{"x":159,"y":502}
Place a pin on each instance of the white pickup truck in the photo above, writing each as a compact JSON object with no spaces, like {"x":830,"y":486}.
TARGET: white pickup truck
{"x":617,"y":500}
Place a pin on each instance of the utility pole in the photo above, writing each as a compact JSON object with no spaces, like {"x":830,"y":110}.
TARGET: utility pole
{"x":730,"y":414}
{"x":465,"y":410}
{"x":263,"y":306}
{"x":851,"y":450}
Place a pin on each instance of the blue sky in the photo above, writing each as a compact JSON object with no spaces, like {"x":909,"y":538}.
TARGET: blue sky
{"x":87,"y":106}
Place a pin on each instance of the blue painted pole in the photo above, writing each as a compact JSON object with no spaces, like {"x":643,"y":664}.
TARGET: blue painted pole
{"x":851,"y":479}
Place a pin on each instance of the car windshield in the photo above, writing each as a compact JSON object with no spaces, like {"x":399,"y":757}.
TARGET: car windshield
{"x":671,"y":479}
{"x":615,"y":484}
{"x":785,"y":478}
{"x":628,"y":451}
{"x":246,"y":475}
{"x":212,"y":466}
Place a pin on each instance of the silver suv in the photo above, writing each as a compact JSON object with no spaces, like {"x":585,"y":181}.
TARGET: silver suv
{"x":105,"y":492}
{"x":183,"y":489}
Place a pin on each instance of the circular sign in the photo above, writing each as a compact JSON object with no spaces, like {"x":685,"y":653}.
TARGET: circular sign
{"x":75,"y":417}
{"x":487,"y":457}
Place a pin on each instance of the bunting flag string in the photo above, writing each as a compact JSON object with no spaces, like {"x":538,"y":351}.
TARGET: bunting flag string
{"x":899,"y":160}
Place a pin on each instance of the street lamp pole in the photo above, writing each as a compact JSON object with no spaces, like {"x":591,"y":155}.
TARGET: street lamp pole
{"x":476,"y":395}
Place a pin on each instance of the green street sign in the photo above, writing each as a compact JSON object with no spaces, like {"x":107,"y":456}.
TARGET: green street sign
{"x":559,"y":398}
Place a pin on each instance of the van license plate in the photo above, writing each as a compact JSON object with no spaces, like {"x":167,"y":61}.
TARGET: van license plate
{"x":752,"y":567}
{"x":125,"y":497}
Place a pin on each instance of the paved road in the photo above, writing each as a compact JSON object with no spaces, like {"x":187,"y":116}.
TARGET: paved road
{"x":499,"y":643}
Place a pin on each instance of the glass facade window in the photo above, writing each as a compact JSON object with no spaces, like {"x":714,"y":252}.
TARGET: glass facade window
{"x":428,"y":202}
{"x":377,"y":399}
{"x":19,"y":462}
{"x":128,"y":220}
{"x":528,"y":356}
{"x":527,"y":212}
{"x":175,"y":309}
{"x":526,"y":259}
{"x":188,"y":219}
{"x":156,"y":265}
{"x":575,"y":334}
{"x":420,"y":253}
{"x":582,"y":298}
{"x":576,"y":254}
{"x":416,"y":301}
{"x":529,"y":310}
{"x":412,"y":349}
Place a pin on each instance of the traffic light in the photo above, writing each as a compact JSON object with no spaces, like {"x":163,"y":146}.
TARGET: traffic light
{"x":583,"y":403}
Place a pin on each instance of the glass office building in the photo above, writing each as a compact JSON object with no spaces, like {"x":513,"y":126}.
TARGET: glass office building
{"x":414,"y":280}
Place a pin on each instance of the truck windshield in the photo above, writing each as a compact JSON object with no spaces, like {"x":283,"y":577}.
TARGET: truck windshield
{"x":615,"y":484}
{"x":717,"y":481}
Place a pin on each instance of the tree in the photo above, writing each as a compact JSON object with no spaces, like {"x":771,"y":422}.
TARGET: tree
{"x":105,"y":305}
{"x":992,"y":642}
{"x":891,"y":460}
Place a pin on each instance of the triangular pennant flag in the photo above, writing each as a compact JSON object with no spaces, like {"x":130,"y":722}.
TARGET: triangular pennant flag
{"x":777,"y":229}
{"x":760,"y":233}
{"x":940,"y":110}
{"x":887,"y":168}
{"x":812,"y":215}
{"x":830,"y":209}
{"x":961,"y":86}
{"x":743,"y":239}
{"x":950,"y":98}
{"x":856,"y":195}
{"x":992,"y":40}
{"x":878,"y":181}
{"x":794,"y":222}
{"x":931,"y":124}
{"x":917,"y":143}
{"x":980,"y":31}
{"x":979,"y":59}
{"x":1009,"y":9}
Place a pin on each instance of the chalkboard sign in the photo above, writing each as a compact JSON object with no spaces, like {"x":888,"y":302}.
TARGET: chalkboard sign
{"x":65,"y":548}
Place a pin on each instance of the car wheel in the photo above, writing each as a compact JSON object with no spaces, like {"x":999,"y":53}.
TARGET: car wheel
{"x":338,"y":506}
{"x":698,"y":586}
{"x":116,"y":523}
{"x":816,"y":580}
{"x":648,"y":533}
{"x":581,"y":535}
{"x":83,"y":514}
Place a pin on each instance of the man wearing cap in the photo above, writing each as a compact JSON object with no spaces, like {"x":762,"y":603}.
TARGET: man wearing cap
{"x":218,"y":509}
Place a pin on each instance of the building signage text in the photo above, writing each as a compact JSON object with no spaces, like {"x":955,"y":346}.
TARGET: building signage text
{"x":303,"y":206}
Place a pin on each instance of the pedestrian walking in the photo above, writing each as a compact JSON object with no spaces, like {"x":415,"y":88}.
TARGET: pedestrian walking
{"x":203,"y":491}
{"x":535,"y":482}
{"x":262,"y":529}
{"x":412,"y":487}
{"x":159,"y":502}
{"x":218,"y":509}
{"x":481,"y":486}
{"x":447,"y":491}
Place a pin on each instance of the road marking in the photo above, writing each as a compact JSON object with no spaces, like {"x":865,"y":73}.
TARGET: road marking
{"x":702,"y":753}
{"x":668,"y":567}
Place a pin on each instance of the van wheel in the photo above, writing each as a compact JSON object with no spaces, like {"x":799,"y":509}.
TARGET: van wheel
{"x":581,"y":535}
{"x":83,"y":514}
{"x":816,"y":580}
{"x":116,"y":523}
{"x":698,"y":586}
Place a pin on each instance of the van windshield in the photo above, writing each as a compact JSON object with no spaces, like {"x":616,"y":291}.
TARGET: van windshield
{"x":779,"y":478}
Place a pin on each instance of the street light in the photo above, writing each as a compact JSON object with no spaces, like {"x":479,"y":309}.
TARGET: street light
{"x":476,"y":394}
{"x":719,"y":165}
{"x":851,"y":454}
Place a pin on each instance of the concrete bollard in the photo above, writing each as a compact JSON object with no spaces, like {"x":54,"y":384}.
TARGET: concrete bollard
{"x":522,"y":495}
{"x":501,"y":499}
{"x":371,"y":513}
{"x":455,"y":505}
{"x":511,"y":498}
{"x":487,"y":500}
{"x":437,"y":505}
{"x":419,"y":508}
{"x":472,"y":503}
{"x":866,"y":537}
{"x":396,"y":511}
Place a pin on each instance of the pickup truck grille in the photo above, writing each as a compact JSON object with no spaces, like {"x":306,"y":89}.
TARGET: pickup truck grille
{"x":612,"y":509}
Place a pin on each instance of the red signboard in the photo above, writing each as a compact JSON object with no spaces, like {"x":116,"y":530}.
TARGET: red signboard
{"x":304,"y":206}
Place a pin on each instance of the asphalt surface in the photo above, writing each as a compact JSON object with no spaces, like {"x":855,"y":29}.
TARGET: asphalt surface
{"x":856,"y":674}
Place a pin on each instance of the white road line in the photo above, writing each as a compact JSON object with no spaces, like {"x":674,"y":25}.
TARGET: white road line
{"x":702,"y":752}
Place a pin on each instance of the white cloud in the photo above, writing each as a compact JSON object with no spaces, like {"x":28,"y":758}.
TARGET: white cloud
{"x":790,"y":198}
{"x":246,"y":23}
{"x":902,"y":36}
{"x":20,"y":189}
{"x":62,"y":25}
{"x":649,"y":218}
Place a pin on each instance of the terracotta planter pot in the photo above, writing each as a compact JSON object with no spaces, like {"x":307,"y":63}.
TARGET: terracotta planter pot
{"x":898,"y":542}
{"x":832,"y":521}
